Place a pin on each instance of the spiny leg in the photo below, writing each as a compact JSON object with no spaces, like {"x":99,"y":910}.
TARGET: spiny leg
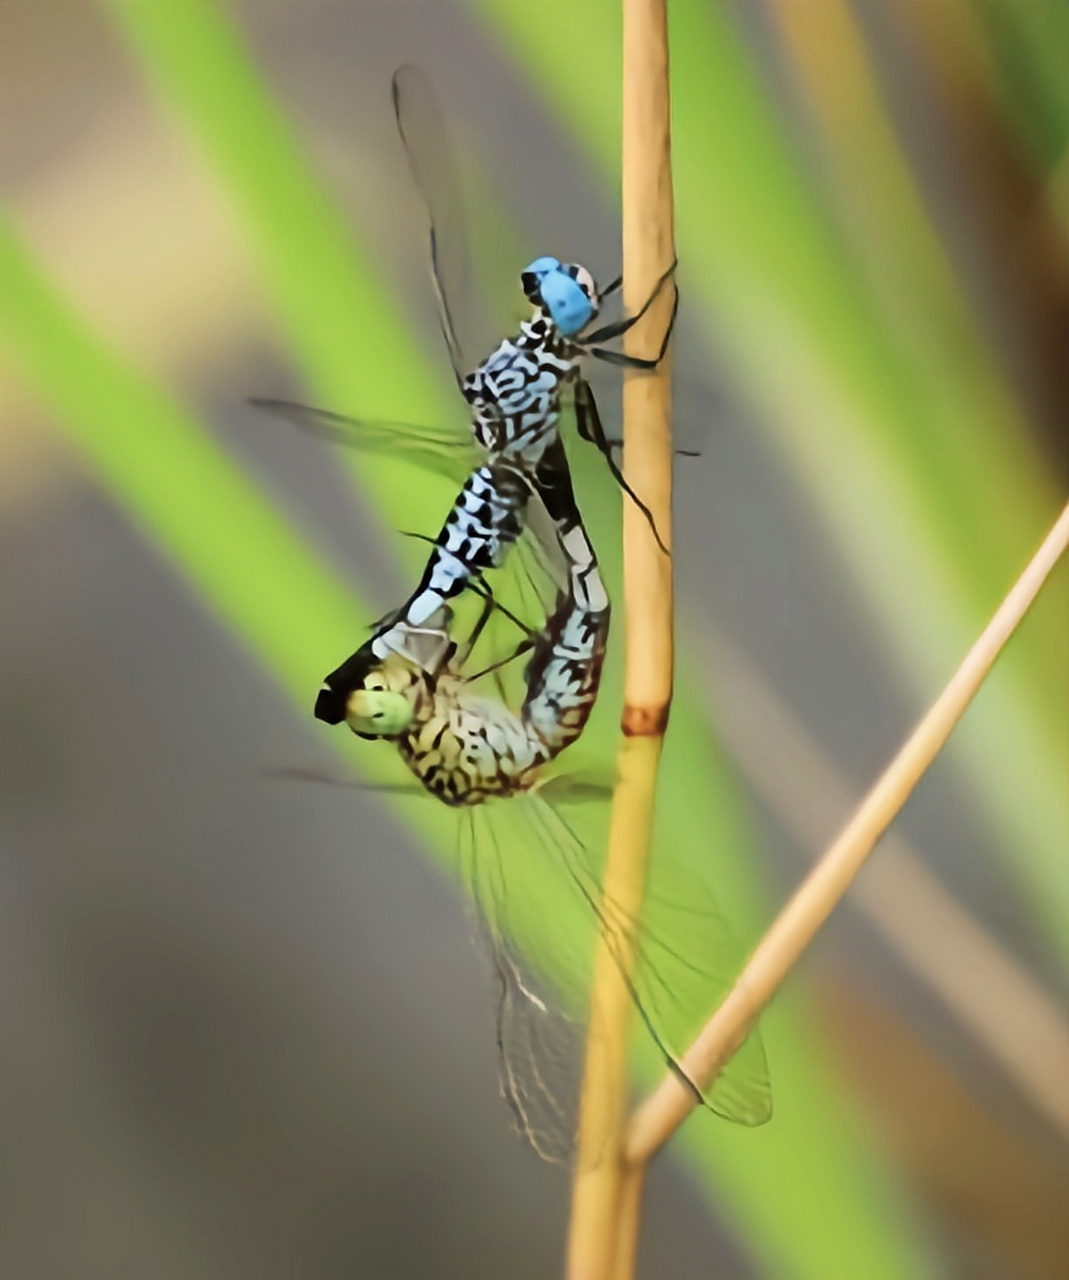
{"x":610,"y":289}
{"x":525,"y":646}
{"x":614,"y":442}
{"x":618,"y":327}
{"x":468,"y":648}
{"x":588,"y":421}
{"x":477,"y":584}
{"x":625,"y":361}
{"x":490,"y":604}
{"x":483,"y":589}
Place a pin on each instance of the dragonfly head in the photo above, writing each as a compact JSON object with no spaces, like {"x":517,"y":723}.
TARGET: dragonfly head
{"x":378,"y":713}
{"x":564,"y":290}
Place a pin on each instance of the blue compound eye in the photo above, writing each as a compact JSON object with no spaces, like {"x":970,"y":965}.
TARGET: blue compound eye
{"x":568,"y":305}
{"x":542,"y":267}
{"x":532,"y":276}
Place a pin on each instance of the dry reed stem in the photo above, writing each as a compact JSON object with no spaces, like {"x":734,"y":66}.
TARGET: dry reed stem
{"x":604,"y":1221}
{"x":991,"y":993}
{"x":596,"y":1198}
{"x":628,"y":1220}
{"x":663,"y":1112}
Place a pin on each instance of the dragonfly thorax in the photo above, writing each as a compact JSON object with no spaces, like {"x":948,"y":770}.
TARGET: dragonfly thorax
{"x":470,"y":749}
{"x":515,"y":394}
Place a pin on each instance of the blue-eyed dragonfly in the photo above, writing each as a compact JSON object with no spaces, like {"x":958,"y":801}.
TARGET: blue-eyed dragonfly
{"x":412,"y":682}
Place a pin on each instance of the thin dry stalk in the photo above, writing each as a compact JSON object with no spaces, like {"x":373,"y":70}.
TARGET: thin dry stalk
{"x":628,"y":1221}
{"x":599,"y":1193}
{"x":663,"y":1112}
{"x":989,"y":991}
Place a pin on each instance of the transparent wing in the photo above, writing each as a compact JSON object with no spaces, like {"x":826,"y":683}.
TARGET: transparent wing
{"x":411,"y":789}
{"x":442,"y":451}
{"x":687,"y":955}
{"x":539,"y":1044}
{"x":467,"y":324}
{"x":539,"y":1053}
{"x":526,"y":866}
{"x":523,"y":593}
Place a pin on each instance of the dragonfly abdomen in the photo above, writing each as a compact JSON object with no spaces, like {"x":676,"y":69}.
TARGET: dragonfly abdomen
{"x":486,"y":519}
{"x":564,"y":674}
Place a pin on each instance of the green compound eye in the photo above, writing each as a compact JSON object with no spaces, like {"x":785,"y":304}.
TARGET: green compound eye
{"x":378,"y":713}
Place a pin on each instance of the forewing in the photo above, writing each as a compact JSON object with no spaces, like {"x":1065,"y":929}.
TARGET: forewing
{"x":442,"y":451}
{"x":536,"y":879}
{"x":687,"y":956}
{"x":469,"y":331}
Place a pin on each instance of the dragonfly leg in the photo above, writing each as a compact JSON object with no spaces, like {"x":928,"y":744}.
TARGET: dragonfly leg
{"x":588,"y":421}
{"x":477,"y":584}
{"x":618,"y":327}
{"x":483,"y":589}
{"x":610,"y":289}
{"x":490,"y":603}
{"x":467,"y":649}
{"x":525,"y":646}
{"x":625,"y":361}
{"x":615,"y":442}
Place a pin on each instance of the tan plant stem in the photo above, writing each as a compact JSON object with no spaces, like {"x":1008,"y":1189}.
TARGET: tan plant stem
{"x":980,"y":982}
{"x":596,"y":1197}
{"x":663,"y":1112}
{"x":628,"y":1221}
{"x":599,"y":1194}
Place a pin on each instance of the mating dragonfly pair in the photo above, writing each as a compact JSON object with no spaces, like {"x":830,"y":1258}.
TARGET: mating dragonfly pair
{"x":415,"y":681}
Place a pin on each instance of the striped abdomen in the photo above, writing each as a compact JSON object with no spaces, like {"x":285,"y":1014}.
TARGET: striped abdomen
{"x":486,"y":519}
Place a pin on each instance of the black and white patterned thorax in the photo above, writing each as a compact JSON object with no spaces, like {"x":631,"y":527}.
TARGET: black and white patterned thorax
{"x":515,"y":394}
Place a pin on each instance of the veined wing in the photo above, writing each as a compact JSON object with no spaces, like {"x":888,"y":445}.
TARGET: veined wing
{"x":471,"y":328}
{"x":535,"y":878}
{"x":467,"y":321}
{"x":493,"y":643}
{"x":439,"y":450}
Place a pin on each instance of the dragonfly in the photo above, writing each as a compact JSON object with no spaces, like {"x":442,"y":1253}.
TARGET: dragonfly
{"x":515,"y":393}
{"x":514,"y":396}
{"x":484,"y":738}
{"x":416,"y":684}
